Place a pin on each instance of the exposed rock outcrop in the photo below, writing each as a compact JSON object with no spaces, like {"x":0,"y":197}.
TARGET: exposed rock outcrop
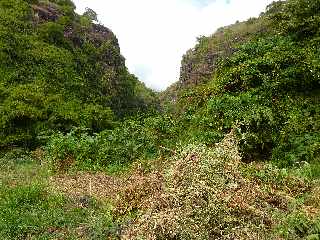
{"x":46,"y":12}
{"x":99,"y":33}
{"x":199,"y":64}
{"x":96,"y":33}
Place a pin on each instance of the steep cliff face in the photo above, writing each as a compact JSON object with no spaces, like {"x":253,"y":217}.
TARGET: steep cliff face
{"x":60,"y":70}
{"x":199,"y":63}
{"x":77,"y":29}
{"x":46,"y":12}
{"x":50,"y":12}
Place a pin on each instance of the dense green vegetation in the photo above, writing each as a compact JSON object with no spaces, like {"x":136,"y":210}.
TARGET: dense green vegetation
{"x":233,"y":153}
{"x":60,"y":70}
{"x":268,"y":88}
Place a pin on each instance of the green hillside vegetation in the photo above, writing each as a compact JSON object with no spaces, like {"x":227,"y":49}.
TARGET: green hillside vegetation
{"x":60,"y":70}
{"x":268,"y":88}
{"x":231,"y":152}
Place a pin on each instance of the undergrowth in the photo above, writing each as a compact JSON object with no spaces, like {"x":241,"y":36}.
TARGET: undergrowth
{"x":30,"y":210}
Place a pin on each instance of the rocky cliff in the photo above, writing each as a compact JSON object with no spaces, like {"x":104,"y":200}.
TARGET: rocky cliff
{"x":199,"y":63}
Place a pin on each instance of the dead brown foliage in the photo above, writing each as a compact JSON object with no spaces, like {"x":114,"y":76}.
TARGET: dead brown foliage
{"x":203,"y":196}
{"x":137,"y":191}
{"x":97,"y":185}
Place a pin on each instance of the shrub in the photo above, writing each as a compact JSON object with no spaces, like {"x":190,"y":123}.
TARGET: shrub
{"x":72,"y":149}
{"x":52,"y":33}
{"x":133,"y":139}
{"x":120,"y":146}
{"x":296,"y":17}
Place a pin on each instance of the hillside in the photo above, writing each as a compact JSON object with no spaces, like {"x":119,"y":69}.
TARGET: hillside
{"x":230,"y":151}
{"x":262,"y":76}
{"x":60,"y":70}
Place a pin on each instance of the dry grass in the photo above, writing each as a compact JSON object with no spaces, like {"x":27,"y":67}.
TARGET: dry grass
{"x":313,"y":202}
{"x":137,"y":191}
{"x":98,"y":185}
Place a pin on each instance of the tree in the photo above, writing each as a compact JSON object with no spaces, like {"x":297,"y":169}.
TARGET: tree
{"x":92,"y":15}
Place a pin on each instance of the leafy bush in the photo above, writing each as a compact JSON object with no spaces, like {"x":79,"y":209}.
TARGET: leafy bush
{"x":136,"y":138}
{"x":298,"y":226}
{"x":300,"y":18}
{"x":274,"y":65}
{"x":52,"y":33}
{"x":298,"y":140}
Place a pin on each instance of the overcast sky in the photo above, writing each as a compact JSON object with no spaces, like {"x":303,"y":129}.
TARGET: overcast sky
{"x":154,"y":34}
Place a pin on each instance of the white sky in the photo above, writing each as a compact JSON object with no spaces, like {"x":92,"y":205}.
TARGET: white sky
{"x":154,"y":34}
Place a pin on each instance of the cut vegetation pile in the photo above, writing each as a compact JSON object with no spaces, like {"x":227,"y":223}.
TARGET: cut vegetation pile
{"x":207,"y":195}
